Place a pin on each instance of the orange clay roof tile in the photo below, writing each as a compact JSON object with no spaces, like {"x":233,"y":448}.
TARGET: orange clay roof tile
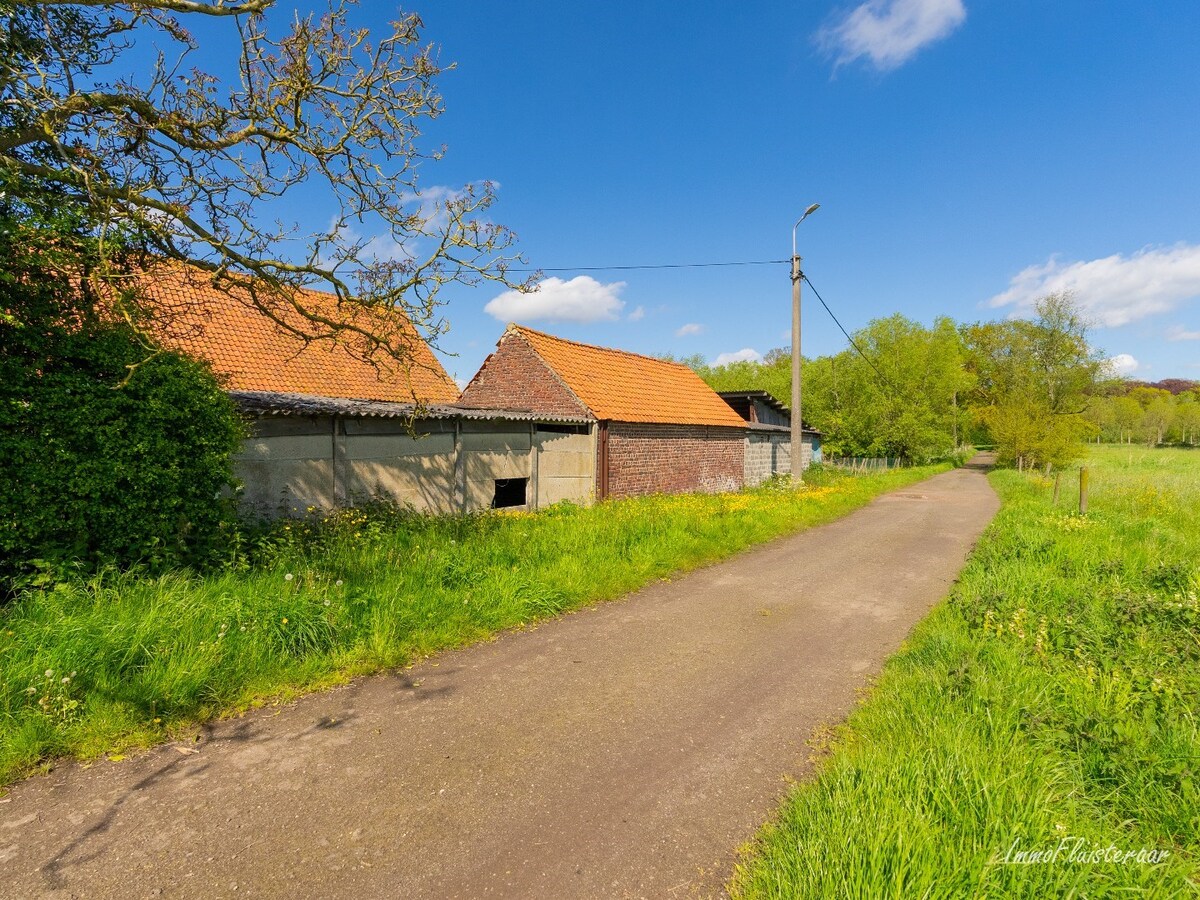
{"x":627,"y":387}
{"x":255,"y":354}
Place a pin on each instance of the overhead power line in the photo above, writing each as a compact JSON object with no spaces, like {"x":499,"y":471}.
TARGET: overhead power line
{"x":702,"y":265}
{"x":853,"y":343}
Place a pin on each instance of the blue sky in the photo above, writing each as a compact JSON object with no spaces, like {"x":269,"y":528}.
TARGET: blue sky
{"x":969,"y":156}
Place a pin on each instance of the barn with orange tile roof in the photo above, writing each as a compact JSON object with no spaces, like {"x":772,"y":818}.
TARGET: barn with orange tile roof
{"x":253,"y":353}
{"x":660,"y":428}
{"x":329,"y":429}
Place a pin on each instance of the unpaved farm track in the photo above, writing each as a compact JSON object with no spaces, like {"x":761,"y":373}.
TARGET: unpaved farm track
{"x":626,"y":750}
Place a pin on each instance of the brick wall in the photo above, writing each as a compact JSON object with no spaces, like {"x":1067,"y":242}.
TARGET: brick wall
{"x":514,"y":377}
{"x":648,"y":459}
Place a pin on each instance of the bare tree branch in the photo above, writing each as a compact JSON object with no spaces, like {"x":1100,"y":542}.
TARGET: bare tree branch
{"x":187,"y":166}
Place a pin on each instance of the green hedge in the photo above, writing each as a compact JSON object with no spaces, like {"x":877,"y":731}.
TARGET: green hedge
{"x":104,"y":465}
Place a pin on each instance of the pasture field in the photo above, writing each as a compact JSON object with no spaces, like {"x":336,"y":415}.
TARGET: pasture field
{"x":1048,"y":706}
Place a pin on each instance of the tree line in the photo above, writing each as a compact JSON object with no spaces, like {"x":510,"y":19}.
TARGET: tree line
{"x":1146,"y":414}
{"x":1034,"y":388}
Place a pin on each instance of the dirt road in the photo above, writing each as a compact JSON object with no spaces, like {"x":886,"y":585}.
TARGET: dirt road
{"x":622,"y":751}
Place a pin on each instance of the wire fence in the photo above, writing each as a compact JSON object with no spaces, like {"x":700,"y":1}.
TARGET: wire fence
{"x":867,"y":463}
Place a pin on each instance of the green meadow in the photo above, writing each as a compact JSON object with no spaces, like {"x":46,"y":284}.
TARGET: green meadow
{"x":1037,"y":735}
{"x":99,"y":666}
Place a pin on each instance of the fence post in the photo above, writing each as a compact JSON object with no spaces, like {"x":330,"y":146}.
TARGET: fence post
{"x":1083,"y":490}
{"x":1057,"y":479}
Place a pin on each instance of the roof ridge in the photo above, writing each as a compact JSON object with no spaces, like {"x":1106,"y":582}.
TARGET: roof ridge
{"x":562,"y":340}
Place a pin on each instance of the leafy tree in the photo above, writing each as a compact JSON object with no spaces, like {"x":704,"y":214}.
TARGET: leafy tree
{"x":903,"y":402}
{"x":1102,"y":415}
{"x":109,"y":455}
{"x":1187,"y":417}
{"x":1034,"y":379}
{"x":773,"y":375}
{"x":1128,"y":414}
{"x":1157,"y":419}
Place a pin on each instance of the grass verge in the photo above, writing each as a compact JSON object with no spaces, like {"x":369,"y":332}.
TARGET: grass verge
{"x":1049,"y":705}
{"x":119,"y":661}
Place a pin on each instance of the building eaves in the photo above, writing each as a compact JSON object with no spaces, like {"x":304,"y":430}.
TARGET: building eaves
{"x":270,"y":403}
{"x":779,"y":429}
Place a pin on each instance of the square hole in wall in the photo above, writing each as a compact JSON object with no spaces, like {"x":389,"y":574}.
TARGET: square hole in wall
{"x":510,"y":492}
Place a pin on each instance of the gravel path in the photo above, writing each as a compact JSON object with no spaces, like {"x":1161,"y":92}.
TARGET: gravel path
{"x":625,"y":750}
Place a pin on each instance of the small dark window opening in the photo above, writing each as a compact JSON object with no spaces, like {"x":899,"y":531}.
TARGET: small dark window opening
{"x":552,"y":428}
{"x":510,"y":492}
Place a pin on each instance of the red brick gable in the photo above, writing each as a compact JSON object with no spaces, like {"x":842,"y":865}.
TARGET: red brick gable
{"x":606,"y":384}
{"x":515,"y":377}
{"x":627,"y":387}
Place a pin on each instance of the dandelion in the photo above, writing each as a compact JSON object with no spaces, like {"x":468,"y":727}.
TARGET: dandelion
{"x":338,"y":583}
{"x":288,"y":577}
{"x":283,"y":621}
{"x":326,"y":602}
{"x":66,"y":680}
{"x":49,"y":673}
{"x":243,"y":628}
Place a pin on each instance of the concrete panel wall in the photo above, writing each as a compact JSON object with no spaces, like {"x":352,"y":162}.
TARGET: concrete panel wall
{"x":286,"y":466}
{"x":289,"y":465}
{"x":566,"y":467}
{"x":489,"y":451}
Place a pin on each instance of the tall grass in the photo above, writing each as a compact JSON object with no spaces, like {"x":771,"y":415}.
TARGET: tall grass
{"x":1052,"y":699}
{"x":122,"y":660}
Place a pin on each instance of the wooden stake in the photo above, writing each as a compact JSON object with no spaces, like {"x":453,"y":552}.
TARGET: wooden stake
{"x":1083,"y":490}
{"x":1057,"y":479}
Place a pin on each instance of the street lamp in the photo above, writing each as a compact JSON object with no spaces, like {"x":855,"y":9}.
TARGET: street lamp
{"x":797,"y":423}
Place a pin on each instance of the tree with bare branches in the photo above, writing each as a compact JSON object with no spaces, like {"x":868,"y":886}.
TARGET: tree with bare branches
{"x":155,"y":158}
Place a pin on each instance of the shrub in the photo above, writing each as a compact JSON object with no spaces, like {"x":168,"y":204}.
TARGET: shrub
{"x":106,"y":463}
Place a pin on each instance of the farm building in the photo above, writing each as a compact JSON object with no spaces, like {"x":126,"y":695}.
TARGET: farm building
{"x":769,"y":435}
{"x":659,"y":427}
{"x":329,"y":429}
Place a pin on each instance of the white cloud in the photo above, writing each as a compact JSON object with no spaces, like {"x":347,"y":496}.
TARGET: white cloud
{"x":1178,"y":333}
{"x":637,"y":315}
{"x":890,"y":32}
{"x":1114,"y":290}
{"x":746,"y":354}
{"x":582,"y":299}
{"x":689,"y":328}
{"x":1122,"y":364}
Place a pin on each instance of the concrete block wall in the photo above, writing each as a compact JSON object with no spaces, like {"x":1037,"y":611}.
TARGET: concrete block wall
{"x":671,"y":459}
{"x":770,"y":453}
{"x":492,"y":450}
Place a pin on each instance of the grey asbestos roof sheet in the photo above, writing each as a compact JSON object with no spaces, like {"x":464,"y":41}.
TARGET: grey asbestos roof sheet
{"x":783,"y":429}
{"x":268,"y":403}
